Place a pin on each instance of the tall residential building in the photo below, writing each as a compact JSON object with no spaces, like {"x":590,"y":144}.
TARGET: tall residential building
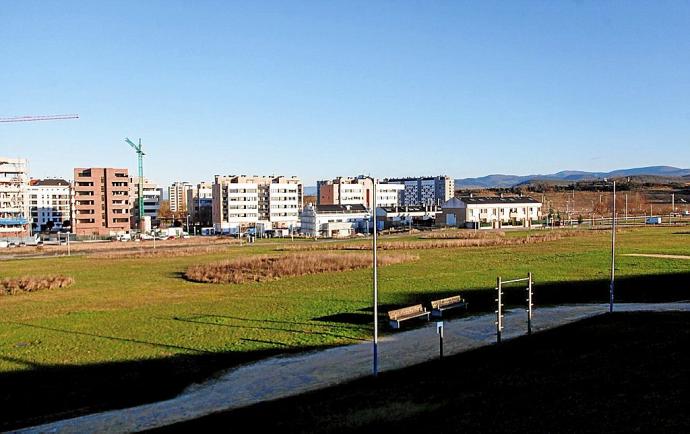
{"x":177,"y":195}
{"x":274,"y":201}
{"x":200,"y":203}
{"x":432,"y":190}
{"x":101,"y":201}
{"x":14,"y":201}
{"x":153,"y":195}
{"x":357,"y":191}
{"x":50,"y":202}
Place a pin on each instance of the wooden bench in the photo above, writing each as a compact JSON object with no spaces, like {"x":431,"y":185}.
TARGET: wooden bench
{"x":438,"y":306}
{"x":398,"y":315}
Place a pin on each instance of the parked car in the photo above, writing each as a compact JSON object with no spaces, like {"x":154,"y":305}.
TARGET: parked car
{"x":653,"y":220}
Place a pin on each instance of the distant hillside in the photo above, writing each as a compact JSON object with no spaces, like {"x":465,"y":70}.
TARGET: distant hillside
{"x":492,"y":181}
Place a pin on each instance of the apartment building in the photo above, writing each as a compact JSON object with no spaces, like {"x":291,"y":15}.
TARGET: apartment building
{"x":153,"y":195}
{"x":248,"y":200}
{"x":491,"y":212}
{"x":50,"y":203}
{"x":177,"y":196}
{"x":14,"y":201}
{"x":200,"y":203}
{"x":101,"y":201}
{"x":357,"y":191}
{"x":431,"y":190}
{"x":333,"y":221}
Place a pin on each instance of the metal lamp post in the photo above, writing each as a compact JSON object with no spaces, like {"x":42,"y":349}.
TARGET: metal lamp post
{"x":613,"y":249}
{"x":376,"y":289}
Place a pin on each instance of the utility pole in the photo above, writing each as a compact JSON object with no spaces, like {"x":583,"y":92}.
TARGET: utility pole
{"x":376,"y":291}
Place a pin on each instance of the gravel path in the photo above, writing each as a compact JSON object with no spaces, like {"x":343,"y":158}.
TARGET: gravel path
{"x":280,"y":377}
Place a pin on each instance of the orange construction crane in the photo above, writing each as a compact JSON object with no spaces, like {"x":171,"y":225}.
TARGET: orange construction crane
{"x":38,"y":118}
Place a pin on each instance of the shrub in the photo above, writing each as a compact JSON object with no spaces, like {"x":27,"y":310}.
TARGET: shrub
{"x":12,"y":286}
{"x":263,"y":268}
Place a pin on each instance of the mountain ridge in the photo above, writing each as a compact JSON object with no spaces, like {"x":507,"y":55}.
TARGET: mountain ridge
{"x":501,"y":180}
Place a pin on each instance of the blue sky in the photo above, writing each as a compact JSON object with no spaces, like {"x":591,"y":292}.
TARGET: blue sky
{"x":325,"y":88}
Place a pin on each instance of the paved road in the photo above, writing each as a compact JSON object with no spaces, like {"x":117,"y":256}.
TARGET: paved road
{"x":280,"y":377}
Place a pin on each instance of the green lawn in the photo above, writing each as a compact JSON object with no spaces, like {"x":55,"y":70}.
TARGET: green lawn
{"x":123,"y":311}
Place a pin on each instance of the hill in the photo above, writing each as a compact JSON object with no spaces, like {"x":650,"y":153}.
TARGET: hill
{"x":498,"y":180}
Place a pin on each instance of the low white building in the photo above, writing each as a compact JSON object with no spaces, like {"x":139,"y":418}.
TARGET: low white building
{"x":394,"y":216}
{"x":491,"y":212}
{"x":334,"y":220}
{"x":50,"y":202}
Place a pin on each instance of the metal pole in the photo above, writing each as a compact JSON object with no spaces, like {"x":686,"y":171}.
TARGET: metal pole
{"x":529,"y":303}
{"x":376,"y":291}
{"x":613,"y":249}
{"x":499,"y":314}
{"x":69,"y":251}
{"x":439,"y":329}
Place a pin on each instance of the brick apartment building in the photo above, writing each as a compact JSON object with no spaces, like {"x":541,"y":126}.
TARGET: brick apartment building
{"x":101,"y":201}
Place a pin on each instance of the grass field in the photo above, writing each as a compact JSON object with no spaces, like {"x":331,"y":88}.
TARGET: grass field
{"x":134,"y":330}
{"x":614,"y":373}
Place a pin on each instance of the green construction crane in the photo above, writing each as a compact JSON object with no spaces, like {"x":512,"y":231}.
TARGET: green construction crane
{"x":140,"y":155}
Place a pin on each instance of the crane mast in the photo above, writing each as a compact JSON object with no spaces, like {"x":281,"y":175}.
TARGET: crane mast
{"x":140,"y":157}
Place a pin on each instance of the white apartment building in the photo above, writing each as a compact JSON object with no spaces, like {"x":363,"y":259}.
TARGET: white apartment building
{"x":199,"y":203}
{"x":153,"y":195}
{"x":244,"y":201}
{"x":334,"y":220}
{"x":357,"y":191}
{"x":425,"y":190}
{"x":491,"y":212}
{"x":177,"y":196}
{"x":14,"y":201}
{"x":50,"y":203}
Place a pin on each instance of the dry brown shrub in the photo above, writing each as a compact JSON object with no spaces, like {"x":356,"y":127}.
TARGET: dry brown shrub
{"x":264,"y":267}
{"x":12,"y":286}
{"x":481,"y":241}
{"x":463,"y":235}
{"x":149,"y":252}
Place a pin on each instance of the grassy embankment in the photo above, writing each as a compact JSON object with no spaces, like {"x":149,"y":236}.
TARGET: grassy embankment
{"x":133,"y":330}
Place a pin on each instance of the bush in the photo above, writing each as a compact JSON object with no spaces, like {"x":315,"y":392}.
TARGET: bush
{"x":18,"y":285}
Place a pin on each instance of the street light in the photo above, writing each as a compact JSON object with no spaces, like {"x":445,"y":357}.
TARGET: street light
{"x":613,"y":249}
{"x":375,"y":284}
{"x":376,"y":290}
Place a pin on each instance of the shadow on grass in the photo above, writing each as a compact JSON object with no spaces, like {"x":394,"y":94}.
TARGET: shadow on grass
{"x":44,"y":392}
{"x":652,"y":288}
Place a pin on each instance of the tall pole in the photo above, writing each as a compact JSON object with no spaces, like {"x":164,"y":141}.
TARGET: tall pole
{"x":376,"y":290}
{"x":613,"y":249}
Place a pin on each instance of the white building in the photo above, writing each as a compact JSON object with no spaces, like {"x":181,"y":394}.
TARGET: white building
{"x":431,"y":190}
{"x":357,"y":191}
{"x":153,"y":195}
{"x":200,"y":203}
{"x":50,"y":202}
{"x":243,"y":201}
{"x":14,"y":200}
{"x":403,"y":216}
{"x":334,"y":220}
{"x":491,"y":212}
{"x":177,"y":196}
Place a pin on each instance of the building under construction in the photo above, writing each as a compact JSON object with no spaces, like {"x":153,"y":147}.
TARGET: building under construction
{"x":14,"y":200}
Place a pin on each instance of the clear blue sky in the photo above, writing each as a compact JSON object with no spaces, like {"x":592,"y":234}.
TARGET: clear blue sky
{"x":324,"y":88}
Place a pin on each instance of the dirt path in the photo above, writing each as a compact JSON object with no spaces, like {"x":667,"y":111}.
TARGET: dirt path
{"x":654,"y":255}
{"x":279,"y":377}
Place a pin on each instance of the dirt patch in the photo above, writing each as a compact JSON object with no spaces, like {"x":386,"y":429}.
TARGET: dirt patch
{"x":654,"y":255}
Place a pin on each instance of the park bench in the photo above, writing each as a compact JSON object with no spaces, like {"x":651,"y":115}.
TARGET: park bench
{"x":398,"y":315}
{"x":438,"y":306}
